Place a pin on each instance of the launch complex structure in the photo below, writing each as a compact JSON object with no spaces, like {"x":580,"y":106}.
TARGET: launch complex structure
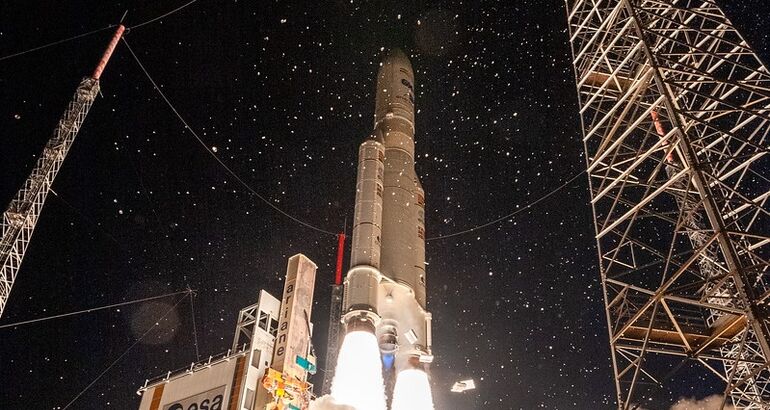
{"x":675,"y":108}
{"x":268,"y":365}
{"x":675,"y":113}
{"x":384,"y":292}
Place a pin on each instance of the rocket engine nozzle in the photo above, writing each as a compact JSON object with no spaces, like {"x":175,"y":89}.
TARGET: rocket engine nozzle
{"x":359,"y":321}
{"x":387,"y":336}
{"x":414,"y":362}
{"x":360,"y":299}
{"x":387,"y":339}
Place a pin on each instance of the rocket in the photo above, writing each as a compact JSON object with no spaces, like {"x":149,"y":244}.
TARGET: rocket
{"x":384,"y":290}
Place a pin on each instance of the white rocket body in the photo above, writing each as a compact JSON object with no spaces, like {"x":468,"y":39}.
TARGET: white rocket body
{"x":385,"y":287}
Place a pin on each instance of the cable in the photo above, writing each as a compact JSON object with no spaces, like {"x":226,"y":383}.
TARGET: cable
{"x":502,"y":218}
{"x":56,"y":42}
{"x":303,"y":223}
{"x":86,"y":218}
{"x":96,"y":31}
{"x":136,"y":165}
{"x":41,"y":319}
{"x":161,"y":16}
{"x":157,"y":323}
{"x":195,"y":330}
{"x":213,"y":155}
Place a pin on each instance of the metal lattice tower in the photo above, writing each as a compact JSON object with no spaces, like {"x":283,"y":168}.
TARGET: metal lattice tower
{"x":675,"y":108}
{"x":335,"y":316}
{"x":20,"y":218}
{"x":333,"y":340}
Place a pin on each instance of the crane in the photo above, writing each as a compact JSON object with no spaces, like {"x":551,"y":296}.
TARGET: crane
{"x":20,"y":218}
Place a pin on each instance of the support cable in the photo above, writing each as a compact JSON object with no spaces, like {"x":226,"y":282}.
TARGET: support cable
{"x":510,"y":215}
{"x":65,"y":40}
{"x":114,"y":305}
{"x":230,"y":171}
{"x":162,"y":16}
{"x":57,"y":42}
{"x":240,"y":180}
{"x":215,"y":156}
{"x":195,"y":329}
{"x":86,"y":218}
{"x":157,"y":323}
{"x":137,"y":166}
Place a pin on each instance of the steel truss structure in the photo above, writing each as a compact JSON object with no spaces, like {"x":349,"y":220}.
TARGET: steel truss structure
{"x":675,"y":108}
{"x":333,"y":340}
{"x":21,"y":216}
{"x":24,"y":210}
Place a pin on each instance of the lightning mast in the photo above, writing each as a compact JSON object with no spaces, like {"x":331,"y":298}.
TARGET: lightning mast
{"x":675,"y":108}
{"x":20,"y":217}
{"x":335,"y":313}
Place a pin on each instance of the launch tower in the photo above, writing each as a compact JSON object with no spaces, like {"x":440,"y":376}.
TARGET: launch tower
{"x":675,"y":108}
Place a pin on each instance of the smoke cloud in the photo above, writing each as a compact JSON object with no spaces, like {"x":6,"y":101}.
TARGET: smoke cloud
{"x":328,"y":403}
{"x":712,"y":402}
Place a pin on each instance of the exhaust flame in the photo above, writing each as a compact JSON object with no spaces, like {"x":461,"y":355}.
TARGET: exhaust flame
{"x":412,"y":391}
{"x":358,"y":377}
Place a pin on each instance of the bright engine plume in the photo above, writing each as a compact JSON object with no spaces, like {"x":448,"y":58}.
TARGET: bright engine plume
{"x":358,"y":377}
{"x":412,"y":391}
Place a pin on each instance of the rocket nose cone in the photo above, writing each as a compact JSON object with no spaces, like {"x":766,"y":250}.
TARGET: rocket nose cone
{"x":398,"y":58}
{"x":395,"y":88}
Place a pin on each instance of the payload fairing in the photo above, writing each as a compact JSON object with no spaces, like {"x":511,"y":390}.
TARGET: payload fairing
{"x":385,"y":286}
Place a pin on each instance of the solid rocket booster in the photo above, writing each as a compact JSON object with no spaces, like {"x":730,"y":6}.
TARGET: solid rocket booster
{"x":385,"y":287}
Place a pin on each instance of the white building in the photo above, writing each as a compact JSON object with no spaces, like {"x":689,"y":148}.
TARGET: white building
{"x":233,"y":380}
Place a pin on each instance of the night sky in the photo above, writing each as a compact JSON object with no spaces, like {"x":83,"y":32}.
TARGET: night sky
{"x":283,"y":92}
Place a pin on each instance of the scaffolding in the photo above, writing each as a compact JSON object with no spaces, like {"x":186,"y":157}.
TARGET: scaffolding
{"x":675,"y":110}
